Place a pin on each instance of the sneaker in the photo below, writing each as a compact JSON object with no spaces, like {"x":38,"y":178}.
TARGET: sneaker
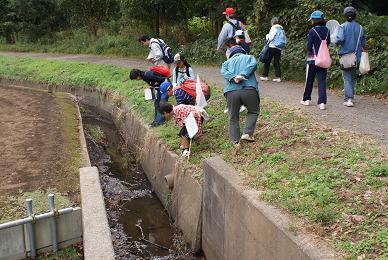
{"x":276,"y":80}
{"x":242,"y":109}
{"x":322,"y":106}
{"x":247,"y":137}
{"x":348,"y":103}
{"x":305,"y":102}
{"x":264,"y":78}
{"x":185,"y":152}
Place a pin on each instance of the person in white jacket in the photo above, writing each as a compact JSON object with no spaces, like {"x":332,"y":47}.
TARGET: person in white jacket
{"x":274,"y":52}
{"x":155,"y":55}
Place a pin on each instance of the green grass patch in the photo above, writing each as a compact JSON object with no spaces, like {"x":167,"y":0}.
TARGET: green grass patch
{"x":334,"y":180}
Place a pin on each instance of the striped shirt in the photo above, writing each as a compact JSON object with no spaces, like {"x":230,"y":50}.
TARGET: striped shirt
{"x":181,"y":96}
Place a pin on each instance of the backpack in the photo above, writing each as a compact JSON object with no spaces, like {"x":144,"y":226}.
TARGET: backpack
{"x":280,"y":40}
{"x":168,"y":57}
{"x":237,"y":27}
{"x":322,"y":58}
{"x":177,"y":71}
{"x":161,"y":70}
{"x":189,"y":86}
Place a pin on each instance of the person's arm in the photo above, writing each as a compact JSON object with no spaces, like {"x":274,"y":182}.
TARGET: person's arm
{"x":271,"y":35}
{"x":229,"y":75}
{"x":156,"y":51}
{"x":223,"y":35}
{"x":250,"y":68}
{"x":156,"y":78}
{"x":362,"y":40}
{"x":174,"y":79}
{"x":191,"y":72}
{"x":340,"y":35}
{"x":328,"y":37}
{"x":310,"y":41}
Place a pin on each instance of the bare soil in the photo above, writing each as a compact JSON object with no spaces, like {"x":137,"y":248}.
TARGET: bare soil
{"x":33,"y":143}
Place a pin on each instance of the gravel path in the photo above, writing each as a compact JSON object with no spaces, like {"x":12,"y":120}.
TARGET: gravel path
{"x":369,"y":116}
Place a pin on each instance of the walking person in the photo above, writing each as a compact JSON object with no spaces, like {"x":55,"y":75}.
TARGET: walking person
{"x":241,"y":88}
{"x":182,"y":70}
{"x":154,"y":80}
{"x":229,"y":29}
{"x":351,"y":39}
{"x":277,"y":41}
{"x":316,"y":34}
{"x":160,"y":53}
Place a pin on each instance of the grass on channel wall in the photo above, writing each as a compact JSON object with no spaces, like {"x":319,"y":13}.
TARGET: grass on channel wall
{"x":335,"y":181}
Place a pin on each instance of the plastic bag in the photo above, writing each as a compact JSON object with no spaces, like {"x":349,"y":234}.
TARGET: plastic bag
{"x":364,"y":63}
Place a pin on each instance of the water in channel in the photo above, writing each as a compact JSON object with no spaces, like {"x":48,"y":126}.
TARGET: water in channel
{"x":140,"y":226}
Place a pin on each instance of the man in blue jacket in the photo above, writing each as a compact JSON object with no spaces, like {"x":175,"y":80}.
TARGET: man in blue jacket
{"x":241,"y":88}
{"x":351,"y":38}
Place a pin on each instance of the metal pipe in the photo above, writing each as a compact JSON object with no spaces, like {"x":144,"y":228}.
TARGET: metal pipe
{"x":37,"y":217}
{"x":30,"y":229}
{"x":53,"y":224}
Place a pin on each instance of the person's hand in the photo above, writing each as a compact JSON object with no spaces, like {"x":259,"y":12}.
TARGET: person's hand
{"x":237,"y":80}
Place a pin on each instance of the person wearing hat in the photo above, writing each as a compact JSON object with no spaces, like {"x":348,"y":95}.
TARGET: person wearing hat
{"x":239,"y":36}
{"x":182,"y":70}
{"x":229,"y":29}
{"x":351,"y":39}
{"x":181,"y":96}
{"x":241,"y":88}
{"x":316,"y":34}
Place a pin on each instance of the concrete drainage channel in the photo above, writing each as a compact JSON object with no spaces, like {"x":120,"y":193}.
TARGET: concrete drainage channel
{"x":218,"y":216}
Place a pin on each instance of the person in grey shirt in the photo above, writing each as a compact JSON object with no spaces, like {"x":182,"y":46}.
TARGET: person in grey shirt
{"x":228,"y":30}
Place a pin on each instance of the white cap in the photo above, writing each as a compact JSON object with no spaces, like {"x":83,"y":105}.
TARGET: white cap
{"x":239,"y":33}
{"x":177,"y":57}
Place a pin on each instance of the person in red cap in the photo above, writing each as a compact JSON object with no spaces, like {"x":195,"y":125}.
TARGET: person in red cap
{"x":229,"y":29}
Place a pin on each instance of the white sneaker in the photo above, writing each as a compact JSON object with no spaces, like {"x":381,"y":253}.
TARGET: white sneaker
{"x":185,"y":153}
{"x":305,"y":103}
{"x":322,"y":106}
{"x":348,"y":103}
{"x":264,"y":78}
{"x":276,"y":80}
{"x":242,"y":109}
{"x":247,"y":137}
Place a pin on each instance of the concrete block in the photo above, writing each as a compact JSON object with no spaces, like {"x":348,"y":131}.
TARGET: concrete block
{"x":12,"y":243}
{"x":96,"y":233}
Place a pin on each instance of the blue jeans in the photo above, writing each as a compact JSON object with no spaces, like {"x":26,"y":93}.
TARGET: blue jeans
{"x":349,"y":77}
{"x":158,"y":117}
{"x":321,"y":73}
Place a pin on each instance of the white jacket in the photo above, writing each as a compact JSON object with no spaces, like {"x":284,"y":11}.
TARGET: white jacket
{"x":271,"y":35}
{"x":156,"y":54}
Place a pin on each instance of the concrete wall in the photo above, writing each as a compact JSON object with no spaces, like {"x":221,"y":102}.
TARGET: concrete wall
{"x":237,"y":225}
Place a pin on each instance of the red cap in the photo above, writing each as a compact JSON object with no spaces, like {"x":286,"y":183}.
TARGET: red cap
{"x":228,"y":11}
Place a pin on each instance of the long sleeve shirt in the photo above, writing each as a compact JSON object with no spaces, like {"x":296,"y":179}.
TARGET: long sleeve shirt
{"x":156,"y":54}
{"x":314,"y":41}
{"x":348,"y":35}
{"x":227,"y":31}
{"x":153,"y":79}
{"x":180,"y":113}
{"x":182,"y":76}
{"x":272,"y":33}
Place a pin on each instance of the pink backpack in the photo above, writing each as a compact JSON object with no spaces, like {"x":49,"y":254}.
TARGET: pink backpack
{"x":322,"y":58}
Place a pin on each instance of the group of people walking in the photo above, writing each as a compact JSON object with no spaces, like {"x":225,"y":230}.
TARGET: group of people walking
{"x":241,"y":85}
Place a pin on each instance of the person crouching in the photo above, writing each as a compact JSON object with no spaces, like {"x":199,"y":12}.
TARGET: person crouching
{"x":179,"y":113}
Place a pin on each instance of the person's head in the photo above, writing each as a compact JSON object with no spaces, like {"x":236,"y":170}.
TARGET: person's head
{"x":350,"y":13}
{"x":165,"y":109}
{"x":180,"y":61}
{"x":230,"y":42}
{"x":317,"y":18}
{"x":165,"y":89}
{"x":144,"y":39}
{"x":239,"y":35}
{"x":229,"y":13}
{"x":274,"y":21}
{"x":136,"y":74}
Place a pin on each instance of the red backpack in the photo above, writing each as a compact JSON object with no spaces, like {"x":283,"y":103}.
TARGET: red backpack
{"x":162,"y":70}
{"x":189,"y":86}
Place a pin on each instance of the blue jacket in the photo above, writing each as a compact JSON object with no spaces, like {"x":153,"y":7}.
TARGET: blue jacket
{"x":240,"y":64}
{"x":347,"y":38}
{"x":314,"y":41}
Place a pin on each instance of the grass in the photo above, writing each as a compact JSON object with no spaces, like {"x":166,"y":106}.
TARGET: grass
{"x":333,"y":180}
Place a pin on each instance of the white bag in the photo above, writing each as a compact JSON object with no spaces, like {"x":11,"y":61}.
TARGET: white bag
{"x":364,"y":63}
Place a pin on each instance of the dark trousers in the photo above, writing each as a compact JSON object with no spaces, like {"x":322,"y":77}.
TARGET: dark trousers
{"x":311,"y":71}
{"x":275,"y":54}
{"x":158,"y":117}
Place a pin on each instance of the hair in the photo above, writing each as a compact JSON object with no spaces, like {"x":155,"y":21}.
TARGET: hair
{"x":165,"y":107}
{"x":135,"y":73}
{"x":232,"y":16}
{"x":274,"y":20}
{"x":321,"y":22}
{"x":230,"y":42}
{"x":350,"y":13}
{"x":144,"y":38}
{"x":183,"y":59}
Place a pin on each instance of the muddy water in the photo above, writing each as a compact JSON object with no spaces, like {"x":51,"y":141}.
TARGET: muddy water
{"x":140,"y":226}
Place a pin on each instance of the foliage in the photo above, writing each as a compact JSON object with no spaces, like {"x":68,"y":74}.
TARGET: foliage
{"x":325,"y":176}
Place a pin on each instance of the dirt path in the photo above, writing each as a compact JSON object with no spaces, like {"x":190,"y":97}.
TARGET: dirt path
{"x":369,"y":116}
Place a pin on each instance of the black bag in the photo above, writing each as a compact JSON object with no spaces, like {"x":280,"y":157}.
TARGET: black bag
{"x":236,"y":27}
{"x":264,"y":54}
{"x":168,"y":57}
